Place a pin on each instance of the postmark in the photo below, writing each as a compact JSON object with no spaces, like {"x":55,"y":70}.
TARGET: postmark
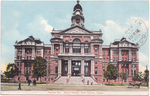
{"x":137,"y":32}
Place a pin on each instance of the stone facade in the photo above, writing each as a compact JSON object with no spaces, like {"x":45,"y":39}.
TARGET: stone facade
{"x":77,"y":51}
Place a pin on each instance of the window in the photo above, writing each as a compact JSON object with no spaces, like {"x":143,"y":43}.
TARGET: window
{"x":125,"y":59}
{"x":113,"y":59}
{"x":95,"y":55}
{"x":122,"y":66}
{"x":125,"y":80}
{"x":49,"y":52}
{"x":76,"y":40}
{"x":46,"y":58}
{"x":65,"y":69}
{"x":126,"y":70}
{"x":95,"y":49}
{"x":66,"y":41}
{"x":103,"y":80}
{"x":56,"y":69}
{"x":107,"y":60}
{"x":116,"y":59}
{"x":30,"y":57}
{"x":103,"y":70}
{"x":20,"y":57}
{"x":48,"y":79}
{"x":56,"y":48}
{"x":95,"y":62}
{"x":134,"y":66}
{"x":115,"y":80}
{"x":107,"y":53}
{"x":17,"y":57}
{"x":95,"y":70}
{"x":122,"y":53}
{"x":49,"y":64}
{"x":20,"y":70}
{"x":103,"y":53}
{"x":125,"y":53}
{"x":122,"y":71}
{"x":125,"y":65}
{"x":115,"y":53}
{"x":132,"y":72}
{"x":133,"y":53}
{"x":26,"y":70}
{"x":57,"y":54}
{"x":45,"y":52}
{"x":103,"y":59}
{"x":49,"y":59}
{"x":134,"y":59}
{"x":86,"y":41}
{"x":86,"y":63}
{"x":20,"y":64}
{"x":38,"y":51}
{"x":20,"y":51}
{"x":86,"y":38}
{"x":27,"y":57}
{"x":28,"y":51}
{"x":45,"y":79}
{"x":66,"y":38}
{"x":76,"y":49}
{"x":103,"y":65}
{"x":86,"y":49}
{"x":17,"y":64}
{"x":116,"y":66}
{"x":67,"y":49}
{"x":122,"y":59}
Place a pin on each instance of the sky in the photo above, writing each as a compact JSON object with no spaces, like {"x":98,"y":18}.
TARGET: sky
{"x":21,"y":19}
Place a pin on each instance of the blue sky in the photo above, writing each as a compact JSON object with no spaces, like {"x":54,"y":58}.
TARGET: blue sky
{"x":20,"y":19}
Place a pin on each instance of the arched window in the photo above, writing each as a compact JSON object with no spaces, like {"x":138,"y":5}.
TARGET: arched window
{"x":66,"y":41}
{"x":86,"y":41}
{"x":76,"y":40}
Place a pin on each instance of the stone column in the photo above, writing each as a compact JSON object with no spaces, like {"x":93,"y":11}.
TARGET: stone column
{"x":52,"y":50}
{"x":59,"y":67}
{"x":82,"y":67}
{"x":42,"y":52}
{"x":33,"y":52}
{"x":111,"y":54}
{"x":129,"y":54}
{"x":92,"y":51}
{"x":61,"y":48}
{"x":100,"y":50}
{"x":23,"y":53}
{"x":82,"y":49}
{"x":119,"y":54}
{"x":92,"y":67}
{"x":70,"y":48}
{"x":69,"y":67}
{"x":137,"y":54}
{"x":16,"y":53}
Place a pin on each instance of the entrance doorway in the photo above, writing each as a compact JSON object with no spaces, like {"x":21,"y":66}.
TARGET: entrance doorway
{"x":76,"y":68}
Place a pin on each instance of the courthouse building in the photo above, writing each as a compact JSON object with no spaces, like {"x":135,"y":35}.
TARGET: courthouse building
{"x":77,"y":52}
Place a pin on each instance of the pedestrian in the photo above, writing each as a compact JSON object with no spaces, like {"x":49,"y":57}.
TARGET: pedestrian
{"x":91,"y":83}
{"x":19,"y":86}
{"x":88,"y":82}
{"x":34,"y":82}
{"x":29,"y":81}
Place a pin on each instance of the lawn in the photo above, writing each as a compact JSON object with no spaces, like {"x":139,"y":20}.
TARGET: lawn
{"x":66,"y":87}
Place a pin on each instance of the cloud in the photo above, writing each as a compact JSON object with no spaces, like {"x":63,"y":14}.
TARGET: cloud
{"x":48,"y":28}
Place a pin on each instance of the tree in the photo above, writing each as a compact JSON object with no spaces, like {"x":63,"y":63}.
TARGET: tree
{"x":138,"y":77}
{"x":11,"y":71}
{"x":39,"y":67}
{"x":123,"y":76}
{"x":111,"y":72}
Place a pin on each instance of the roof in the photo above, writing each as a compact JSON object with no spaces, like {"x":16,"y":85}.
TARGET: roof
{"x":123,"y":39}
{"x":77,"y":6}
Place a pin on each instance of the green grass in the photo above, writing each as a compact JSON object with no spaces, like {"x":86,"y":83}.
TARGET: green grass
{"x":66,"y":87}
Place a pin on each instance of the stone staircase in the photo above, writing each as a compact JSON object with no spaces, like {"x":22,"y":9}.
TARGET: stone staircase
{"x":61,"y":80}
{"x":90,"y":80}
{"x":75,"y":81}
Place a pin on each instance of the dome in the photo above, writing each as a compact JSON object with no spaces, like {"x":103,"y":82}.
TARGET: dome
{"x":77,"y":6}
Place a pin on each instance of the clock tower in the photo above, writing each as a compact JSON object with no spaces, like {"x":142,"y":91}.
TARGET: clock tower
{"x":77,"y":18}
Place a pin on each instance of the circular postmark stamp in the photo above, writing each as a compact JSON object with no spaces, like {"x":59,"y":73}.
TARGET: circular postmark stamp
{"x":137,"y":32}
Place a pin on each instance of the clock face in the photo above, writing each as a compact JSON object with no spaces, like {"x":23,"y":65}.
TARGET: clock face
{"x":77,"y":13}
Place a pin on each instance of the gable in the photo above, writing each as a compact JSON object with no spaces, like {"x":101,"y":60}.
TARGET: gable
{"x":124,"y":44}
{"x":75,"y":30}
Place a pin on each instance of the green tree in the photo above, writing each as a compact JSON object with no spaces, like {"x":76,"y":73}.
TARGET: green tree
{"x":123,"y":76}
{"x":11,"y":71}
{"x":39,"y":67}
{"x":111,"y":72}
{"x":138,"y":77}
